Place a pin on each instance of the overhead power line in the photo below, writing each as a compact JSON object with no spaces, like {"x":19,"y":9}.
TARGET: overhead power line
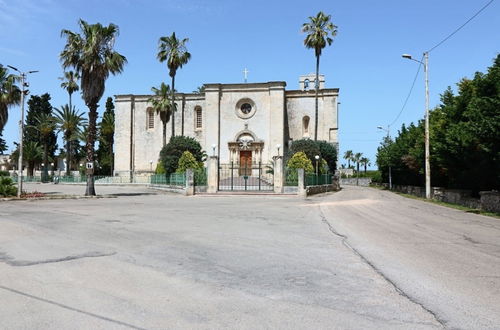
{"x":409,"y":93}
{"x":460,"y":27}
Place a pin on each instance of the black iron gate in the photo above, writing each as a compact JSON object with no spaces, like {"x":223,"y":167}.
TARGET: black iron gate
{"x":245,"y":177}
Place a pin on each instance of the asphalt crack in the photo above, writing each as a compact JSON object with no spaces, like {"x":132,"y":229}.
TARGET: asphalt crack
{"x":377,"y":270}
{"x":23,"y":263}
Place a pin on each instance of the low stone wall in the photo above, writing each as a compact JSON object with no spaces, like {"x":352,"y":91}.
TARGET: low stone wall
{"x":355,"y":182}
{"x":312,"y":190}
{"x":489,"y":200}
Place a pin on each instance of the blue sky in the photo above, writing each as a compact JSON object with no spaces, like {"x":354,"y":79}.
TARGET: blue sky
{"x":264,"y":36}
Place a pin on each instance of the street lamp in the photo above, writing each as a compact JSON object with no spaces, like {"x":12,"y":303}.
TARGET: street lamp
{"x":21,"y":129}
{"x":427,"y":148}
{"x":151,"y":165}
{"x":388,"y":136}
{"x":213,"y":149}
{"x":278,"y":146}
{"x":317,"y":161}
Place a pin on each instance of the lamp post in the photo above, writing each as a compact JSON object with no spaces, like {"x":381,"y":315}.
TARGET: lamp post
{"x":317,"y":161}
{"x":388,"y":136}
{"x":21,"y":129}
{"x":214,"y":146}
{"x":427,"y":148}
{"x":278,"y":146}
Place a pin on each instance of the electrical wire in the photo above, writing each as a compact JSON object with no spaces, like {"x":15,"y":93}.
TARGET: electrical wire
{"x":409,"y":93}
{"x":460,"y":27}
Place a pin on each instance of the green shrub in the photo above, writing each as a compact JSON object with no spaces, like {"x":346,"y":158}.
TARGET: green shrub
{"x":159,"y":168}
{"x":300,"y":160}
{"x":329,"y":153}
{"x":7,"y":187}
{"x":171,"y":152}
{"x":4,"y":173}
{"x":186,"y":161}
{"x":307,"y":146}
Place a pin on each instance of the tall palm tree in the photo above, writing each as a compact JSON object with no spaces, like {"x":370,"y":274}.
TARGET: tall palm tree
{"x":365,"y":162}
{"x":106,"y":134}
{"x":45,"y":124}
{"x":91,"y":54}
{"x":32,"y":154}
{"x":70,"y":83}
{"x":348,"y":156}
{"x":357,"y":159}
{"x":10,"y":94}
{"x":162,"y":106}
{"x":68,"y":121}
{"x":318,"y":29}
{"x":174,"y":52}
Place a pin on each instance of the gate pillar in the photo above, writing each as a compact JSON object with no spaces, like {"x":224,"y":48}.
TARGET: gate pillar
{"x":278,"y":174}
{"x":189,"y":182}
{"x":301,"y":183}
{"x":212,"y":174}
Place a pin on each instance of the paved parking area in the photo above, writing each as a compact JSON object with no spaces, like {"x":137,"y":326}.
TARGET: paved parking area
{"x":156,"y":261}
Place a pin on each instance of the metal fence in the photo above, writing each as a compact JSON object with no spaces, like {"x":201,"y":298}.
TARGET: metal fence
{"x":174,"y":179}
{"x":320,"y":179}
{"x":244,"y":177}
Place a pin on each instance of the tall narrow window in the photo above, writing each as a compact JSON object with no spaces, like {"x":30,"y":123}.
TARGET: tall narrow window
{"x":305,"y":126}
{"x":198,"y":118}
{"x":151,"y":118}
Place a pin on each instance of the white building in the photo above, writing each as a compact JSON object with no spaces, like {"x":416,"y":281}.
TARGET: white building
{"x":244,"y":122}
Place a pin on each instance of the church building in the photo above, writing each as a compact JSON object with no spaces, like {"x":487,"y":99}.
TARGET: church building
{"x":246,"y":123}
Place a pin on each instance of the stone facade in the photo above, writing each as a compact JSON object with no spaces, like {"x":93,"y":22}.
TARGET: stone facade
{"x":237,"y":122}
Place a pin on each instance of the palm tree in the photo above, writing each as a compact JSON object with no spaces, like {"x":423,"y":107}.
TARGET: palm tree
{"x":174,"y":52}
{"x":356,"y":159}
{"x":318,"y":29}
{"x":10,"y":94}
{"x":45,"y":124}
{"x":348,"y":156}
{"x":162,"y":105}
{"x":70,"y":83}
{"x":365,"y":162}
{"x":106,"y":134}
{"x":92,"y":55}
{"x":68,"y":121}
{"x":32,"y":154}
{"x":199,"y":90}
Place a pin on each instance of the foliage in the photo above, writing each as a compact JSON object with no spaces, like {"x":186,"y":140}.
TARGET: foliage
{"x":319,"y":31}
{"x":464,"y":139}
{"x":186,"y":161}
{"x":162,"y":106}
{"x":45,"y":124}
{"x":159,"y":168}
{"x":106,"y":140}
{"x":199,"y":90}
{"x":92,"y":56}
{"x":307,"y":146}
{"x":328,"y":152}
{"x":300,"y":160}
{"x":3,"y":144}
{"x":7,"y":187}
{"x":311,"y":148}
{"x":348,"y":155}
{"x":38,"y":107}
{"x":69,"y":121}
{"x":174,"y":52}
{"x":174,"y":149}
{"x":70,"y":83}
{"x":10,"y":94}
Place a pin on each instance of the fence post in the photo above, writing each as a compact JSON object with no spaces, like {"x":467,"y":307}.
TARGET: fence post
{"x":189,"y":182}
{"x":212,"y":174}
{"x":301,"y":182}
{"x":278,"y":176}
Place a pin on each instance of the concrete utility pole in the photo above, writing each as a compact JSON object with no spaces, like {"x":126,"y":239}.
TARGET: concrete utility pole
{"x":388,"y":136}
{"x":425,"y":63}
{"x":21,"y":130}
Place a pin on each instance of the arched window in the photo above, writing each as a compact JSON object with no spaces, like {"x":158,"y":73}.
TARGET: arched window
{"x":150,"y":114}
{"x":305,"y":126}
{"x":197,"y":119}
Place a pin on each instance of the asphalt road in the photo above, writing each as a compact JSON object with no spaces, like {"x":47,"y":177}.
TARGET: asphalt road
{"x":444,"y":259}
{"x":156,"y":261}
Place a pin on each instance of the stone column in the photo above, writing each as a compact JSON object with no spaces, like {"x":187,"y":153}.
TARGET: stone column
{"x":212,"y":174}
{"x":189,"y":182}
{"x":301,"y":182}
{"x":278,"y":174}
